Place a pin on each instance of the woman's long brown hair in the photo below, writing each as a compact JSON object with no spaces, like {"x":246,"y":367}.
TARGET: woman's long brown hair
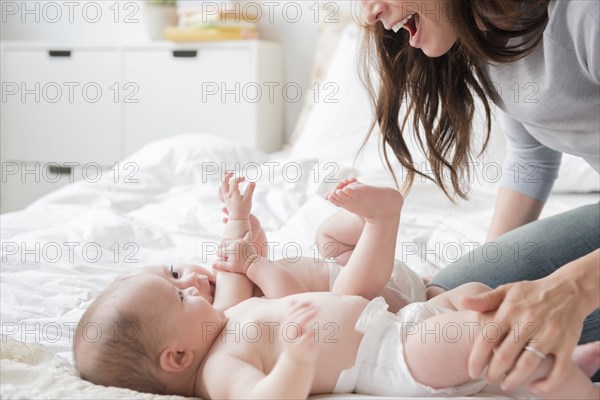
{"x":439,"y":92}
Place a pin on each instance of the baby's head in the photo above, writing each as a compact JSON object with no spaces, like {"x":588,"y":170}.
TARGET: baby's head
{"x":146,"y":333}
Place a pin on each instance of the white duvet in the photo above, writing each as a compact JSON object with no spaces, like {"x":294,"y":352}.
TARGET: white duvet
{"x":60,"y":252}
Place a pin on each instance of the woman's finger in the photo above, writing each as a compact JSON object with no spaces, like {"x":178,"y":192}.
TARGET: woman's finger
{"x":483,"y":347}
{"x":509,"y":350}
{"x":488,"y":301}
{"x":524,"y":367}
{"x":557,"y":376}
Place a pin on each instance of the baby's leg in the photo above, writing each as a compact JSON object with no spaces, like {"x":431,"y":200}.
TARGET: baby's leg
{"x":370,"y":266}
{"x":437,"y":352}
{"x":587,"y":357}
{"x":451,"y":299}
{"x":337,"y":235}
{"x":577,"y":385}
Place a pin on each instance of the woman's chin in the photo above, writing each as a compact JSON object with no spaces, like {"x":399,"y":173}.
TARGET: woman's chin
{"x":434,"y":51}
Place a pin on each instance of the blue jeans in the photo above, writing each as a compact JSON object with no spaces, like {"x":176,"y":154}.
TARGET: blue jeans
{"x":531,"y":252}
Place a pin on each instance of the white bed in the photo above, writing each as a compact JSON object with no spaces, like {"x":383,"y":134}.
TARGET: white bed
{"x":165,"y":218}
{"x":171,"y":214}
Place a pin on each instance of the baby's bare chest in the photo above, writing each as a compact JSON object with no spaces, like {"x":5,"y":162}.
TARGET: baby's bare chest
{"x":259,"y":331}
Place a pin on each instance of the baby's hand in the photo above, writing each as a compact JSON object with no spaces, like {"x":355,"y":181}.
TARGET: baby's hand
{"x":299,"y":335}
{"x":237,"y":255}
{"x":238,"y":205}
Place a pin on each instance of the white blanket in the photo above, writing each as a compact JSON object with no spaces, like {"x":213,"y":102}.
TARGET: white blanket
{"x":161,"y":208}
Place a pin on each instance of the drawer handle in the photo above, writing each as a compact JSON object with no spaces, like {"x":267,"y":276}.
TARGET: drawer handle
{"x":185,"y":53}
{"x":59,"y":53}
{"x":59,"y":170}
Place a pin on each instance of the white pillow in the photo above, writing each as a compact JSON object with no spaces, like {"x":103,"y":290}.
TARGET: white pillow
{"x":576,"y":176}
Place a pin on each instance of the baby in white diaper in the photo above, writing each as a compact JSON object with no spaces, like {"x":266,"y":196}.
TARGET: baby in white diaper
{"x":175,"y":341}
{"x":336,"y":237}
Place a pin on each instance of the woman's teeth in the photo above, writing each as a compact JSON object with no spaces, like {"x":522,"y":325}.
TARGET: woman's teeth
{"x":400,"y":24}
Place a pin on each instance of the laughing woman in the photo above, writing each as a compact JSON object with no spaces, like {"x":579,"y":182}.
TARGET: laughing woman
{"x":539,"y":62}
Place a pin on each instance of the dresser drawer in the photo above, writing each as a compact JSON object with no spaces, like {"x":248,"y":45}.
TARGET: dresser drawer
{"x":61,"y":104}
{"x":199,"y":89}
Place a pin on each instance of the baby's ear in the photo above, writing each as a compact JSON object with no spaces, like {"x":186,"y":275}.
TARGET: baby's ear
{"x":173,"y":360}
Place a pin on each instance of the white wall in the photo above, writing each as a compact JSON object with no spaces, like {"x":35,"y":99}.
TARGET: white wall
{"x":122,"y":21}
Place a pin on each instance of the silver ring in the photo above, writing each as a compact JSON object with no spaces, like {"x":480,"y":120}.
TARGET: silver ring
{"x":535,"y":351}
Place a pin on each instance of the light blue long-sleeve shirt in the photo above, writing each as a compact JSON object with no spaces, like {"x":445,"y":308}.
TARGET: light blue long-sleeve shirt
{"x":549,"y":101}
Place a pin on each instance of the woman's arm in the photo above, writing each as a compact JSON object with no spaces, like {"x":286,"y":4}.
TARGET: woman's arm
{"x":513,"y":209}
{"x":528,"y":173}
{"x":547,"y":314}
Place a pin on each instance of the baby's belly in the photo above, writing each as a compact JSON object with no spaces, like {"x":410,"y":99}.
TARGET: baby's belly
{"x":334,"y":326}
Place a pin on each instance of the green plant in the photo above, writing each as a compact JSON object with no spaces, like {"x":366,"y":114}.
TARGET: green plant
{"x":162,"y":2}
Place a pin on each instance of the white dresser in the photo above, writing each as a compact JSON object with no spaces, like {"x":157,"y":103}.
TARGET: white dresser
{"x":66,"y":107}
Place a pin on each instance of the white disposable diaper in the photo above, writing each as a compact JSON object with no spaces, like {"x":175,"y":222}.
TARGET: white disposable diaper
{"x":380,"y":368}
{"x":404,"y":280}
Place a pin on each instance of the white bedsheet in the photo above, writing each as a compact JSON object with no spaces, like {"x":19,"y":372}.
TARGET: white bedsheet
{"x":60,"y":252}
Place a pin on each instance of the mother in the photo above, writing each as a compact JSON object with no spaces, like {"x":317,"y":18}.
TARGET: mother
{"x":539,"y":62}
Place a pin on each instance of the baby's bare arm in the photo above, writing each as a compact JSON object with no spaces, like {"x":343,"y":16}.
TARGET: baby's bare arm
{"x":243,"y":380}
{"x":291,"y":377}
{"x":274,"y":278}
{"x":234,"y":288}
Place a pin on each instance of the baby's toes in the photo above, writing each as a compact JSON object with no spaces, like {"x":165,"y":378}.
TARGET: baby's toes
{"x":349,"y":191}
{"x":340,"y":193}
{"x":334,"y":200}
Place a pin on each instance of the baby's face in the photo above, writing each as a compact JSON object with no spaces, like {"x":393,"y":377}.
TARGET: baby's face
{"x":185,"y":277}
{"x":185,"y":316}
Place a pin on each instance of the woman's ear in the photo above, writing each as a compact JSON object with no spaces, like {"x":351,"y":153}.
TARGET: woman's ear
{"x":173,"y":360}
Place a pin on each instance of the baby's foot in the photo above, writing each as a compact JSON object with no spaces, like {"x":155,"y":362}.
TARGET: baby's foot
{"x":587,"y":357}
{"x":370,"y":202}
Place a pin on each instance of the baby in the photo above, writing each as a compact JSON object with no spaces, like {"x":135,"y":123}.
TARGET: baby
{"x":165,"y":340}
{"x":336,"y":238}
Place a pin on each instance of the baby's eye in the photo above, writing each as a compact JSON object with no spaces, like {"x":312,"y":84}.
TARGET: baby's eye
{"x":174,"y":274}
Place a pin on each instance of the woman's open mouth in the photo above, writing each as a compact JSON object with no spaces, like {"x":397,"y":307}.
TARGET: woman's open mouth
{"x":399,"y":25}
{"x":411,"y":24}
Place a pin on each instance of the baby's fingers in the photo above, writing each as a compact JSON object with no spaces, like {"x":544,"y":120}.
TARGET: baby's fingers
{"x":235,"y":186}
{"x":249,"y":191}
{"x":303,"y":313}
{"x":225,"y":182}
{"x":222,"y":266}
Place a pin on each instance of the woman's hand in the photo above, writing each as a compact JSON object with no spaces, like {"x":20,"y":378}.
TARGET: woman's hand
{"x":546,"y":314}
